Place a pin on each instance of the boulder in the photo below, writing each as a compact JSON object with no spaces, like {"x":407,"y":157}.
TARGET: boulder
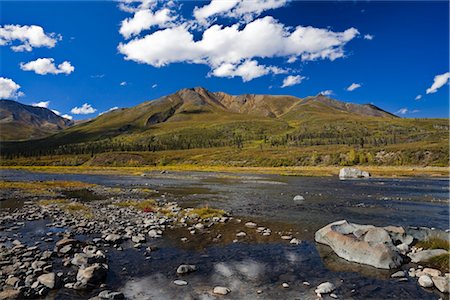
{"x":374,"y":247}
{"x":114,"y":238}
{"x":350,"y":173}
{"x":92,"y":274}
{"x":425,"y":255}
{"x":441,"y":283}
{"x":425,"y":281}
{"x":50,"y":280}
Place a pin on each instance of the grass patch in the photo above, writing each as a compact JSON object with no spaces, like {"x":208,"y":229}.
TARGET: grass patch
{"x":148,"y":205}
{"x":207,"y":212}
{"x":440,"y":262}
{"x":48,"y":202}
{"x":43,"y":185}
{"x":434,"y":243}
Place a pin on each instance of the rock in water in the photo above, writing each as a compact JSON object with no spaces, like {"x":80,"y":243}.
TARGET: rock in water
{"x":441,"y":283}
{"x":180,"y":282}
{"x":425,"y":255}
{"x":299,"y":198}
{"x":348,"y":173}
{"x":425,"y":281}
{"x":220,"y":290}
{"x":325,"y":288}
{"x":183,"y":269}
{"x":93,"y":274}
{"x":365,"y":244}
{"x":50,"y":280}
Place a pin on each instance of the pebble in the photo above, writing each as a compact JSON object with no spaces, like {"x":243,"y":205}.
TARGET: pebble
{"x":325,"y":288}
{"x":220,"y":290}
{"x":180,"y":282}
{"x":184,"y":269}
{"x":398,"y":274}
{"x":285,"y":285}
{"x":241,"y":234}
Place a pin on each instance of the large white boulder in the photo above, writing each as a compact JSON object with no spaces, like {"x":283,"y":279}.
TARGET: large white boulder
{"x":350,"y":173}
{"x":365,"y":244}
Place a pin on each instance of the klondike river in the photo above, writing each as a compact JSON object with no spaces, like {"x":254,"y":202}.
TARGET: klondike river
{"x":256,"y":267}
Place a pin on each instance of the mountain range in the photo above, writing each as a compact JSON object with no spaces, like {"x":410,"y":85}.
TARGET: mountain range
{"x":196,"y":118}
{"x":20,"y":122}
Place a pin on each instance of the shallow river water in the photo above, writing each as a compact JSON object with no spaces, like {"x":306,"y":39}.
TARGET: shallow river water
{"x":255,"y":268}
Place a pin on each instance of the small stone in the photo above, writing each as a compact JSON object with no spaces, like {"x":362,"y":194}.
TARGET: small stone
{"x":295,"y":241}
{"x":199,"y":226}
{"x":325,"y":288}
{"x":220,"y":290}
{"x":285,"y":285}
{"x":111,"y":295}
{"x":184,"y":269}
{"x":333,"y":295}
{"x":299,"y":198}
{"x":425,"y":281}
{"x":241,"y":234}
{"x":180,"y":282}
{"x":306,"y":283}
{"x":12,"y":281}
{"x":251,"y":225}
{"x":114,"y":238}
{"x":398,"y":274}
{"x":286,"y":237}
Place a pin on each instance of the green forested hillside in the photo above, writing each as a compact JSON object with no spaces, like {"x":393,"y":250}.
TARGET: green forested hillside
{"x":248,"y":129}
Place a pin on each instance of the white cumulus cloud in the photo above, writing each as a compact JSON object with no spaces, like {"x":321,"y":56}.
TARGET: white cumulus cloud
{"x":353,"y":87}
{"x":243,"y":10}
{"x":56,"y":112}
{"x":402,"y":111}
{"x":418,"y":97}
{"x":226,"y":48}
{"x":85,"y":109}
{"x":25,"y":38}
{"x":145,"y":19}
{"x":43,"y":66}
{"x":123,"y":83}
{"x":292,"y":80}
{"x":368,"y":37}
{"x":439,"y":81}
{"x":326,"y":93}
{"x":44,"y":104}
{"x":9,"y":89}
{"x":66,"y":116}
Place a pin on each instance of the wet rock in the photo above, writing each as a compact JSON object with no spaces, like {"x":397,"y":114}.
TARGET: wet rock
{"x":180,"y":282}
{"x":403,"y":248}
{"x":12,"y":281}
{"x":184,"y":269}
{"x":441,"y":283}
{"x":66,"y":249}
{"x":113,"y":238}
{"x":350,"y":173}
{"x":295,"y":241}
{"x":92,"y":274}
{"x":372,"y":248}
{"x":199,"y":226}
{"x":431,"y":272}
{"x":10,"y":294}
{"x":325,"y":288}
{"x":285,"y":285}
{"x":221,"y":290}
{"x":299,"y":198}
{"x":79,"y":259}
{"x":250,"y":225}
{"x":138,"y":239}
{"x":425,"y":281}
{"x":425,"y":255}
{"x":241,"y":234}
{"x":64,"y":242}
{"x":398,"y":274}
{"x":50,"y":280}
{"x":110,"y":295}
{"x":154,"y":234}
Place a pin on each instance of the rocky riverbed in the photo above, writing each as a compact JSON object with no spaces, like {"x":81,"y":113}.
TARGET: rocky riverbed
{"x":91,"y":240}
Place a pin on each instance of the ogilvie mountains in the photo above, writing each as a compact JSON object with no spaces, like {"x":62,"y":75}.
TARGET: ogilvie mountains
{"x":198,"y":119}
{"x":21,"y":122}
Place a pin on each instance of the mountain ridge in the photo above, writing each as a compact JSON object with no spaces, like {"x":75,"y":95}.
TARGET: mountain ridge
{"x":19,"y":121}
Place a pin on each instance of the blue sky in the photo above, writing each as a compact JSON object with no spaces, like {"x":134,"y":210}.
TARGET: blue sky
{"x":393,"y":50}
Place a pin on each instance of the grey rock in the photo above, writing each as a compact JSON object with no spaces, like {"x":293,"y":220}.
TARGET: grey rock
{"x":50,"y":280}
{"x":180,"y":282}
{"x":184,"y":269}
{"x":351,"y":173}
{"x":92,"y":274}
{"x":425,"y":255}
{"x":325,"y":288}
{"x":441,"y":283}
{"x":221,"y":290}
{"x":398,"y":274}
{"x":110,"y":295}
{"x":425,"y":281}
